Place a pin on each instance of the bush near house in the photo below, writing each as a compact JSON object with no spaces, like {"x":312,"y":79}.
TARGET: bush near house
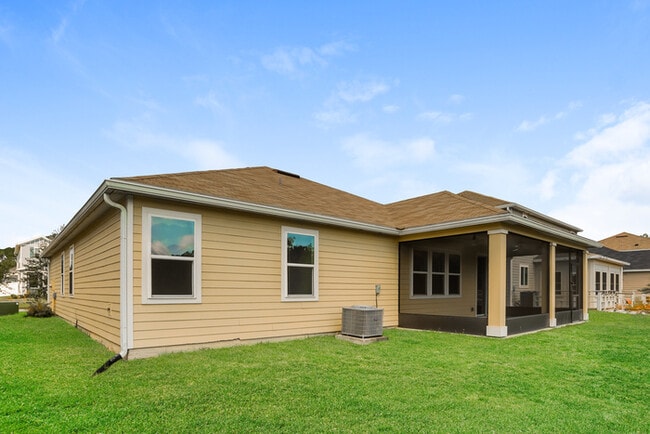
{"x":580,"y":379}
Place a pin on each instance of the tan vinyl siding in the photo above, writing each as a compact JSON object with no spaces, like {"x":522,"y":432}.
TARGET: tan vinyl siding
{"x":95,"y":305}
{"x":463,"y":305}
{"x":633,"y":282}
{"x":241,"y":282}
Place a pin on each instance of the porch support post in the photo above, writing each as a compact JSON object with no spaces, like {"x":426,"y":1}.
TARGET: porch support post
{"x":497,"y":283}
{"x":552,"y":321}
{"x":585,"y":286}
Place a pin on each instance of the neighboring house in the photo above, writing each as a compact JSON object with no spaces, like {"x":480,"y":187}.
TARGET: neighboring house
{"x":626,"y":241}
{"x":161,"y":263}
{"x":8,"y":288}
{"x":24,"y":252}
{"x":605,"y":282}
{"x":637,"y":271}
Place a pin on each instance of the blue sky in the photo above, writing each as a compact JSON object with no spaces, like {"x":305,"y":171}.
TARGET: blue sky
{"x":543,"y":103}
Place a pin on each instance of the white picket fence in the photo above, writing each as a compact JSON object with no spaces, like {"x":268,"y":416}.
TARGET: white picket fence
{"x":612,"y":300}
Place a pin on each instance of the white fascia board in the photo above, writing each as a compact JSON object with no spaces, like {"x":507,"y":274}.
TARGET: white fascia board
{"x":607,"y":259}
{"x":201,"y":199}
{"x":540,"y":216}
{"x":503,"y":218}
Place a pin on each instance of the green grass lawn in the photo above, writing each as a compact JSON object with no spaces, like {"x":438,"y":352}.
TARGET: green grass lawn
{"x":587,"y":378}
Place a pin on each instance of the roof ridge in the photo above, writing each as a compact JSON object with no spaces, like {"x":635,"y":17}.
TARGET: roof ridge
{"x":485,"y":205}
{"x":192,"y":172}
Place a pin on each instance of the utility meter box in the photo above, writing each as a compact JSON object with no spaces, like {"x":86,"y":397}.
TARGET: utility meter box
{"x":362,"y":321}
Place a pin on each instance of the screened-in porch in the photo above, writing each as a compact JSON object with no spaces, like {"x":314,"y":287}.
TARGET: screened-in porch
{"x":495,"y":283}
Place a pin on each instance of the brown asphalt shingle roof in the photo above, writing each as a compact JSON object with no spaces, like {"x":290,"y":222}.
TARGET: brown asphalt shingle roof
{"x":271,"y":187}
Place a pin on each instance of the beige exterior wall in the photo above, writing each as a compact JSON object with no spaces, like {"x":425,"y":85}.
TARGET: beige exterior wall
{"x":635,"y":281}
{"x":94,"y":305}
{"x":241,"y":282}
{"x":463,"y":305}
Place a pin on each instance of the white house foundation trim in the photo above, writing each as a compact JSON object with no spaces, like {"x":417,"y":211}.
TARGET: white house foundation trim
{"x":497,"y":331}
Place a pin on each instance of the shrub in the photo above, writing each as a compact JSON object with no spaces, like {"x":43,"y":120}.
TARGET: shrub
{"x":39,"y":309}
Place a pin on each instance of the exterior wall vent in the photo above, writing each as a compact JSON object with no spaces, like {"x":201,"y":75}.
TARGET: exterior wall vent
{"x":362,"y":321}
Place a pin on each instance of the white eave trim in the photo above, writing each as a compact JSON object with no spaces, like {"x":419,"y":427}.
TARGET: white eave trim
{"x":603,"y":258}
{"x":504,"y":218}
{"x":539,"y":215}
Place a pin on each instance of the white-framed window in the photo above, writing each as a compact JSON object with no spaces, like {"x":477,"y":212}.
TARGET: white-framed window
{"x":62,"y":273}
{"x":299,"y":264}
{"x":435,"y":273}
{"x":71,"y":271}
{"x":618,"y":282}
{"x":523,"y":276}
{"x":597,"y":281}
{"x":171,"y":256}
{"x":604,"y":281}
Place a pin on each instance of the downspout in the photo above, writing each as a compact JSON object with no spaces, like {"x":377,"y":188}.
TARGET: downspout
{"x":124,"y":276}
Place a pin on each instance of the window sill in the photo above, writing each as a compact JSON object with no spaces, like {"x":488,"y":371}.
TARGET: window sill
{"x":293,"y":299}
{"x":433,"y":297}
{"x":172,"y":300}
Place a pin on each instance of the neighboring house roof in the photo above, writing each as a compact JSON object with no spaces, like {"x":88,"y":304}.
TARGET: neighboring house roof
{"x":273,"y":192}
{"x":627,"y":241}
{"x":637,"y":260}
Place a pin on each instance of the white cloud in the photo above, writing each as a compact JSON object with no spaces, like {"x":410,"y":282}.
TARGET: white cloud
{"x":372,"y":154}
{"x":456,"y":99}
{"x":291,"y":61}
{"x":28,"y":209}
{"x":287,"y":61}
{"x":338,"y":116}
{"x":359,"y":91}
{"x":390,"y":108}
{"x":621,"y":140}
{"x":438,"y":117}
{"x":202,"y":153}
{"x":338,"y":107}
{"x":604,"y":182}
{"x":210,"y":102}
{"x":527,"y":125}
{"x":209,"y":154}
{"x":444,"y":117}
{"x":336,"y":48}
{"x":59,"y":31}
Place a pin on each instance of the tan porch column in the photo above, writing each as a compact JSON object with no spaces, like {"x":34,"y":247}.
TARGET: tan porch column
{"x":585,"y":286}
{"x":552,"y":321}
{"x":497,"y":283}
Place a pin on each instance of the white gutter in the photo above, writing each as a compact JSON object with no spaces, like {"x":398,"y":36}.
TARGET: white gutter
{"x":531,"y":212}
{"x":502,"y":218}
{"x":124,"y":301}
{"x":607,"y":259}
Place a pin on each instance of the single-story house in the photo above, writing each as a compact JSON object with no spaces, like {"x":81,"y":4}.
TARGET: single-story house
{"x":170,"y":262}
{"x":25,"y":252}
{"x":636,"y":270}
{"x":605,"y":282}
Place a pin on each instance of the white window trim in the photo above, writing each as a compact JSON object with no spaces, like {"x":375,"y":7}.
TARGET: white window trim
{"x":62,"y":268}
{"x":147,"y":297}
{"x":71,"y":287}
{"x":430,"y":273}
{"x":523,"y":267}
{"x":285,"y":280}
